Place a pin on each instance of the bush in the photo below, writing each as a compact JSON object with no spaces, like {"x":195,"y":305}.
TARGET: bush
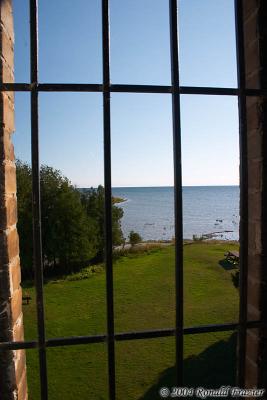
{"x":134,"y":238}
{"x":85,"y":273}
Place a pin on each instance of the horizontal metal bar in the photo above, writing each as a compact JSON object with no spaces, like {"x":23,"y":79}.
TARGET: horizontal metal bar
{"x":140,"y":89}
{"x":186,"y":330}
{"x":213,"y":91}
{"x":19,"y":345}
{"x":222,"y":327}
{"x":15,"y":87}
{"x":117,"y":88}
{"x":145,"y":334}
{"x":70,"y":341}
{"x":158,"y":333}
{"x":210,"y":328}
{"x":69,"y":87}
{"x":208,"y":91}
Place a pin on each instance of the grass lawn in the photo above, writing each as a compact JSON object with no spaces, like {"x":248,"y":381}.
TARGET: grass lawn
{"x":144,"y":299}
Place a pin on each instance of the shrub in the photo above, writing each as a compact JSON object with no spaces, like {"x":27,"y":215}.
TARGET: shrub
{"x":134,"y":238}
{"x":85,"y":273}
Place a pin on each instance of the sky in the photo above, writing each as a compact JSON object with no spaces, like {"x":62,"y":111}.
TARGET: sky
{"x":71,"y":127}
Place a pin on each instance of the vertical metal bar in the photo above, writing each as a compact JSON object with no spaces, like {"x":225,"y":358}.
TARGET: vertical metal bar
{"x":178,"y":212}
{"x":36,"y":206}
{"x":108,"y":199}
{"x":241,"y":76}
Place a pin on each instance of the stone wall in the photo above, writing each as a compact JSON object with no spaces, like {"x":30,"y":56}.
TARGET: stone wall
{"x":13,"y":383}
{"x":255,"y":33}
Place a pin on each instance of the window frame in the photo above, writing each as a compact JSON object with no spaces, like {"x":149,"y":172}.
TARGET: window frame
{"x":175,"y":90}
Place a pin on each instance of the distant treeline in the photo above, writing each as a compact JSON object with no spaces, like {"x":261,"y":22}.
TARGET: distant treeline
{"x":72,"y":222}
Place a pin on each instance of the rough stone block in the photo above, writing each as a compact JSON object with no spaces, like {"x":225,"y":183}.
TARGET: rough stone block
{"x":11,"y":211}
{"x":22,"y":388}
{"x":20,"y":362}
{"x":254,"y":290}
{"x":6,"y":48}
{"x":8,"y":184}
{"x":9,"y":246}
{"x":252,"y":54}
{"x":255,"y":141}
{"x":254,"y":238}
{"x":255,"y":265}
{"x":253,"y":314}
{"x":253,"y":344}
{"x":8,"y":212}
{"x":6,"y":73}
{"x":254,"y":109}
{"x":253,"y":80}
{"x":250,"y":7}
{"x":6,"y":146}
{"x":7,"y":115}
{"x":6,"y":17}
{"x":255,"y":175}
{"x":16,"y":304}
{"x":18,"y":331}
{"x":254,"y":206}
{"x":15,"y":274}
{"x":251,"y":374}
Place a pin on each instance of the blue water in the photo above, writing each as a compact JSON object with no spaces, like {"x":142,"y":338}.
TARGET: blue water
{"x":206,"y":209}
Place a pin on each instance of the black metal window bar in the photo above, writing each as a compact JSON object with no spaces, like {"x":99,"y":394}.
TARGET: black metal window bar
{"x":175,"y":90}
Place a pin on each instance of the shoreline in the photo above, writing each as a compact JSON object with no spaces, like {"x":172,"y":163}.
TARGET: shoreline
{"x":118,"y":200}
{"x":164,"y":243}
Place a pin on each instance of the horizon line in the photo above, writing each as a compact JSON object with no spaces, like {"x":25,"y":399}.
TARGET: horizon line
{"x":158,"y":186}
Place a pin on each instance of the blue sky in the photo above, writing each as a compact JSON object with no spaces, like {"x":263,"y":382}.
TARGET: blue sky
{"x":71,"y":130}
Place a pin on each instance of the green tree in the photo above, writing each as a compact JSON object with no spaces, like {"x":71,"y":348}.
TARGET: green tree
{"x":94,"y":202}
{"x":24,"y":224}
{"x":68,"y":232}
{"x":72,"y":221}
{"x":134,"y":238}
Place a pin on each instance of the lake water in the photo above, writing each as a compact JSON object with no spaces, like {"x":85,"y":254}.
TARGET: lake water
{"x":206,"y":210}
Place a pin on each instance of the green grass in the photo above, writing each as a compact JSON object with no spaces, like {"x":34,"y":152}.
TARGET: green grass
{"x":144,"y":299}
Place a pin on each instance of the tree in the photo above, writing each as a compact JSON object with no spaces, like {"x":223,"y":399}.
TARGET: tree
{"x":72,"y":225}
{"x":134,"y":238}
{"x":94,"y":202}
{"x":24,"y":224}
{"x":68,"y":232}
{"x":68,"y":235}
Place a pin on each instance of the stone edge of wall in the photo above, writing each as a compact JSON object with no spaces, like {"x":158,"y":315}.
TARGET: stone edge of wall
{"x":13,"y":382}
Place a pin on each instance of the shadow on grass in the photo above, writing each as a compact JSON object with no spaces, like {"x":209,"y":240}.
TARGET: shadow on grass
{"x":228,"y":266}
{"x":212,"y":368}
